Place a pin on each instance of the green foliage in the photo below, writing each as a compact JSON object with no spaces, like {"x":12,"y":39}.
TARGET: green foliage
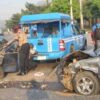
{"x":60,"y":6}
{"x":91,"y":8}
{"x":96,"y":8}
{"x":30,"y":9}
{"x":76,"y":9}
{"x":63,"y":6}
{"x":13,"y":21}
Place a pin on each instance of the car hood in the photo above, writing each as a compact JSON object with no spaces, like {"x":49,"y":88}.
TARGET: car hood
{"x":92,"y":64}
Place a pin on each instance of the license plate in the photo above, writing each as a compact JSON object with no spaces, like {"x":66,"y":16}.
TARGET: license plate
{"x":41,"y":57}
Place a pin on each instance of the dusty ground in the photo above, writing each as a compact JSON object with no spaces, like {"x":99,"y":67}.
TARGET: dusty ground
{"x":39,"y":73}
{"x":51,"y":90}
{"x":42,"y":68}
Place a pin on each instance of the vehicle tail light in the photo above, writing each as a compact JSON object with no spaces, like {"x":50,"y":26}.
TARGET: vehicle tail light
{"x":62,"y":45}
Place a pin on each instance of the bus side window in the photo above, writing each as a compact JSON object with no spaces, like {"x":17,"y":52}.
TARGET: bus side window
{"x":47,"y":31}
{"x":75,"y":30}
{"x":54,"y":32}
{"x":34,"y":34}
{"x":63,"y":28}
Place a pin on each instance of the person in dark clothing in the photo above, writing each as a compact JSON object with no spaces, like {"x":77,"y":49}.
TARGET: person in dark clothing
{"x":24,"y":58}
{"x":96,"y":36}
{"x":24,"y":49}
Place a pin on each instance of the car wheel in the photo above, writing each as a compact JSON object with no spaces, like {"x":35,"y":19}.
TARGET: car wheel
{"x":86,"y":83}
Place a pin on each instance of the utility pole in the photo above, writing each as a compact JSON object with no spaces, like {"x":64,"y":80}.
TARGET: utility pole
{"x":47,"y":2}
{"x":71,"y":10}
{"x":81,"y":15}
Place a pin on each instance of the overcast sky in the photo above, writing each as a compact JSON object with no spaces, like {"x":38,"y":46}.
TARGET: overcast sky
{"x":9,"y":7}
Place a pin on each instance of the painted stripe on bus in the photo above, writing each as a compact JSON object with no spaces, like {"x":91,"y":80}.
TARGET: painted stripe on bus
{"x":73,"y":38}
{"x":49,"y":43}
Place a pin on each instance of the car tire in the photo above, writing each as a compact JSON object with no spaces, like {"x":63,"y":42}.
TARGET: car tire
{"x":86,"y":83}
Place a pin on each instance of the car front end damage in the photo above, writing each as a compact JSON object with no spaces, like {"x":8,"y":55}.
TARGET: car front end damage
{"x":79,"y":73}
{"x":72,"y":69}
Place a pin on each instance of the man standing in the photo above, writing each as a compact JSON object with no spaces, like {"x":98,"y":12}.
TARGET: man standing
{"x":96,"y":36}
{"x":23,"y":52}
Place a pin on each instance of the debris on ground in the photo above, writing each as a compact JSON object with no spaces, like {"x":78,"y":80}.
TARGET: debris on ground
{"x":44,"y":86}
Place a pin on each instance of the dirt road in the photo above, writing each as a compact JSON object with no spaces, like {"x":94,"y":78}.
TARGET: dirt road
{"x":45,"y":85}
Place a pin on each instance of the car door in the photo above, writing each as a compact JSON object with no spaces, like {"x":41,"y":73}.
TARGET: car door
{"x":10,"y":60}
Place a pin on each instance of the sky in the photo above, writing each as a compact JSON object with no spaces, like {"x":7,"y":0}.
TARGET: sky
{"x":9,"y":7}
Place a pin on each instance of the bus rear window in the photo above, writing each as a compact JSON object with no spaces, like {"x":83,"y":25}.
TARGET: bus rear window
{"x":50,"y":31}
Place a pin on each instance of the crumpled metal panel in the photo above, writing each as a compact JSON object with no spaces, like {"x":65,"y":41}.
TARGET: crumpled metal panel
{"x":67,"y":80}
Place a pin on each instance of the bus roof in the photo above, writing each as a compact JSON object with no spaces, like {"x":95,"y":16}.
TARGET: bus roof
{"x":42,"y":18}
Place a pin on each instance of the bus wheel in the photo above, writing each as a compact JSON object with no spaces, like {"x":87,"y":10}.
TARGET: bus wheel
{"x":72,"y":48}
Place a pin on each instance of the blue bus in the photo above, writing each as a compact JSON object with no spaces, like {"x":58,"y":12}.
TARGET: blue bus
{"x":53,"y":35}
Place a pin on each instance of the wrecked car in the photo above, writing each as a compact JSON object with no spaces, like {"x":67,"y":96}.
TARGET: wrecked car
{"x":80,"y":72}
{"x":2,"y":40}
{"x":9,"y":61}
{"x":8,"y":58}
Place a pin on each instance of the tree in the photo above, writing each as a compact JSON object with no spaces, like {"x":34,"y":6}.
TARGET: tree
{"x":91,"y":10}
{"x":13,"y":21}
{"x":30,"y":9}
{"x":59,"y":6}
{"x":63,"y":6}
